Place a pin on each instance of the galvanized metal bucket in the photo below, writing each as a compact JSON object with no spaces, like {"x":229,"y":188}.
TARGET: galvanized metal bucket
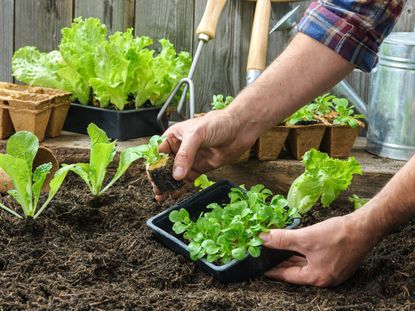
{"x":391,"y":110}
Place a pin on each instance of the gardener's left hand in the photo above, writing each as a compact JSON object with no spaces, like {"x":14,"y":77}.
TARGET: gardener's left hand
{"x":332,"y":250}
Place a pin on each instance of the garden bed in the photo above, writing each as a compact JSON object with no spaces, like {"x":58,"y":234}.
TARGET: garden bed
{"x":100,"y":255}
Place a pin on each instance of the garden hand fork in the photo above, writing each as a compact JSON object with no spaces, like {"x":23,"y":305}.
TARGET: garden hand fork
{"x":205,"y":31}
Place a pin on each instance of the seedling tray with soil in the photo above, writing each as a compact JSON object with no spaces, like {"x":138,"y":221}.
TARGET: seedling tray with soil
{"x":235,"y":270}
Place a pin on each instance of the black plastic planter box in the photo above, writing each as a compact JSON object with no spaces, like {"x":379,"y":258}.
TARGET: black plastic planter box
{"x":234,"y":271}
{"x":121,"y":125}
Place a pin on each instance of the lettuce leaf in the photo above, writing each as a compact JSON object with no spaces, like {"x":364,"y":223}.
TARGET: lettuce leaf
{"x":324,"y":178}
{"x":35,"y":68}
{"x":17,"y":163}
{"x":117,"y":68}
{"x":102,"y":154}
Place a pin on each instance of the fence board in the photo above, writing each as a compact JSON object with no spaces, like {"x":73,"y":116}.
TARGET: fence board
{"x":222,"y":67}
{"x":39,"y":23}
{"x":171,"y":19}
{"x":117,"y":15}
{"x":6,"y":39}
{"x":406,"y":21}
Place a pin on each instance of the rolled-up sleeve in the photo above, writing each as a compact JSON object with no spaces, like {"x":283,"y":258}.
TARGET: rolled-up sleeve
{"x":352,"y":28}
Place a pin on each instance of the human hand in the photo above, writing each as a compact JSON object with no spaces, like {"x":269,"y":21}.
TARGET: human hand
{"x":332,"y":251}
{"x":205,"y":143}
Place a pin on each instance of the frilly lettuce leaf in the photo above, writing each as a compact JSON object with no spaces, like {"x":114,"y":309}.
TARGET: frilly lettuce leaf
{"x":324,"y":178}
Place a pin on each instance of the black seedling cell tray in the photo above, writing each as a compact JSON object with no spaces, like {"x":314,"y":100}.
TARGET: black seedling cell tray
{"x":121,"y":125}
{"x":234,"y":271}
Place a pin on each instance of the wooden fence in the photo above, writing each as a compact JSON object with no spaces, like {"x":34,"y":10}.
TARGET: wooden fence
{"x":223,"y":63}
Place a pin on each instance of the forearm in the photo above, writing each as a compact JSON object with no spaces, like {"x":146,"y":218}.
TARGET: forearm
{"x":302,"y":72}
{"x":393,"y":206}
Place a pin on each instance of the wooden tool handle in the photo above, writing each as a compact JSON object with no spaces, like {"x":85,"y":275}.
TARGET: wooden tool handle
{"x":259,"y":36}
{"x":210,"y":18}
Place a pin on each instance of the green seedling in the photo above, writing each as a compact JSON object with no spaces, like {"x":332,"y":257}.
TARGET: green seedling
{"x":102,"y":153}
{"x":231,"y":231}
{"x":345,"y":113}
{"x":17,"y":163}
{"x":324,"y":179}
{"x":203,"y":182}
{"x":357,"y":201}
{"x":220,"y":102}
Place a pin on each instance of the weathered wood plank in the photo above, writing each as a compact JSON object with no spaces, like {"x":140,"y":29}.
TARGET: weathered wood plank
{"x":222,"y":67}
{"x":170,"y":19}
{"x":279,"y":175}
{"x":406,"y":21}
{"x":39,"y":23}
{"x":117,"y":15}
{"x":6,"y":39}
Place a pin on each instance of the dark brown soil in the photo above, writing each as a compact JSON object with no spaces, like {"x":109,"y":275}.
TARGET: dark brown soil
{"x":163,"y":179}
{"x":101,"y":256}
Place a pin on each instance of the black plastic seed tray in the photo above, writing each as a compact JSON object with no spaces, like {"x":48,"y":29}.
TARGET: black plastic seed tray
{"x":121,"y":125}
{"x":234,"y":271}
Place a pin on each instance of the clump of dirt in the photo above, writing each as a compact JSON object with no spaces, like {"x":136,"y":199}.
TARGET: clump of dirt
{"x":89,"y":254}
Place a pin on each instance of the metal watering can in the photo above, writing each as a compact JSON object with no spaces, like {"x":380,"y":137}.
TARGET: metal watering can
{"x":391,"y":109}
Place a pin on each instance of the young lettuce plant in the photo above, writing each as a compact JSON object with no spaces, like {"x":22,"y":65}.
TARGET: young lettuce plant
{"x":324,"y":179}
{"x":17,"y":163}
{"x":304,"y":116}
{"x":345,"y":114}
{"x":231,"y":231}
{"x":159,"y":166}
{"x":101,"y":155}
{"x":220,"y":102}
{"x":203,"y":182}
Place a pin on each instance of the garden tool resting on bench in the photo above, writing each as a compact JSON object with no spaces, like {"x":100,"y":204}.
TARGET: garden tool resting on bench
{"x":206,"y":31}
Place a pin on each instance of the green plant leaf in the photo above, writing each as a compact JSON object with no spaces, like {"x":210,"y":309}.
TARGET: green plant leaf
{"x":39,"y":177}
{"x":54,"y":186}
{"x":239,"y":253}
{"x":127,"y":157}
{"x":324,"y":178}
{"x":23,"y":145}
{"x":19,"y":173}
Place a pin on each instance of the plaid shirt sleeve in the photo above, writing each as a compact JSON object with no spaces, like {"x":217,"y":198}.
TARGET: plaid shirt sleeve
{"x":352,"y":28}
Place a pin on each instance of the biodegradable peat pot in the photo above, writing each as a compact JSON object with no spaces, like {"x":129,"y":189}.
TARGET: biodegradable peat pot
{"x":234,"y":271}
{"x":338,"y":140}
{"x":43,"y":155}
{"x":6,"y":125}
{"x":30,"y":112}
{"x":121,"y":125}
{"x":60,"y":104}
{"x":269,"y":145}
{"x":304,"y":137}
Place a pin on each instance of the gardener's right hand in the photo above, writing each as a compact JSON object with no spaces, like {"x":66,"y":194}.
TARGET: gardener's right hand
{"x":205,"y":143}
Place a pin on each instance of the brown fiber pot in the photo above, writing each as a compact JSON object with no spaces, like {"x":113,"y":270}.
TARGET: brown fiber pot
{"x":269,"y":145}
{"x":30,"y":112}
{"x":6,"y":125}
{"x":244,"y":156}
{"x":338,"y":140}
{"x":304,"y":137}
{"x":44,"y":155}
{"x":60,"y":102}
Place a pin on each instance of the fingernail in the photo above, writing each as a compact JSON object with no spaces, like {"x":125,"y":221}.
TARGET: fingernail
{"x":178,"y":173}
{"x":265,"y":237}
